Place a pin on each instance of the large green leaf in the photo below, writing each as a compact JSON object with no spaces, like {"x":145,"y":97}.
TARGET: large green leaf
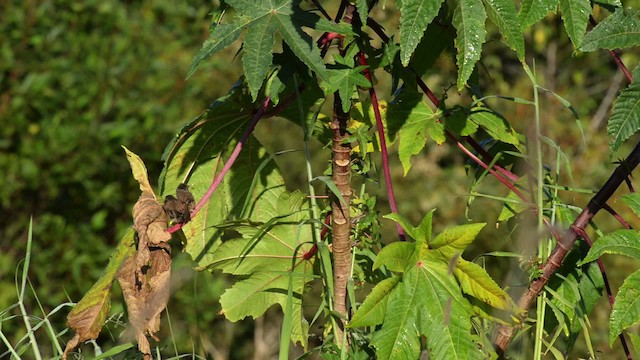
{"x":476,"y":282}
{"x":413,"y":120}
{"x":619,"y":30}
{"x":415,"y":15}
{"x":622,"y":242}
{"x":625,"y":117}
{"x":270,"y":257}
{"x":469,"y":21}
{"x":198,"y":153}
{"x":626,"y":308}
{"x":428,"y":302}
{"x":503,"y":14}
{"x":373,"y":309}
{"x":533,"y":11}
{"x":575,"y":16}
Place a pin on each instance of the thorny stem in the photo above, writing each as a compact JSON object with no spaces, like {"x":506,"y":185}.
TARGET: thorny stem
{"x":622,"y":171}
{"x":227,"y":166}
{"x":383,"y":143}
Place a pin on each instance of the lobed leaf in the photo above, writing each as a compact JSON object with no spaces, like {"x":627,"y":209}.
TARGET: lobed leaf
{"x":413,"y":119}
{"x":374,"y":308}
{"x":198,"y":153}
{"x":622,"y":242}
{"x":503,"y":14}
{"x":222,"y":36}
{"x":415,"y":15}
{"x":469,"y":21}
{"x":575,"y":16}
{"x":626,"y":308}
{"x":270,"y":258}
{"x":619,"y":30}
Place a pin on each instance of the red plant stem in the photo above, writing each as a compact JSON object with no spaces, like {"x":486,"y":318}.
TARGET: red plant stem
{"x":227,"y":166}
{"x":617,"y":216}
{"x":583,"y":234}
{"x":383,"y":143}
{"x":564,"y":244}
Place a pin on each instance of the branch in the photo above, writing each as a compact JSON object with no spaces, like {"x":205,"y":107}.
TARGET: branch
{"x":622,"y":171}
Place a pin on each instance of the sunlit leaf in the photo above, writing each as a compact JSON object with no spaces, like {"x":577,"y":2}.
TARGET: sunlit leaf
{"x":575,"y":16}
{"x":415,"y":15}
{"x":633,"y":201}
{"x":455,"y":239}
{"x":532,"y":11}
{"x":621,"y":242}
{"x":620,"y":30}
{"x":395,"y":256}
{"x":475,"y":281}
{"x":468,"y":19}
{"x":373,"y":309}
{"x":503,"y":14}
{"x":413,"y":120}
{"x":269,"y":259}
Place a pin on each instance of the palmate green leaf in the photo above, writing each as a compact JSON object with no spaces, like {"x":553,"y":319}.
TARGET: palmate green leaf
{"x":469,"y":21}
{"x":346,"y":81}
{"x":633,"y":201}
{"x":503,"y":14}
{"x":415,"y":120}
{"x":620,"y":30}
{"x":415,"y":15}
{"x":625,"y":117}
{"x":626,"y":308}
{"x":575,"y":16}
{"x":452,"y":241}
{"x":373,"y":309}
{"x":197,"y":154}
{"x":263,"y":19}
{"x":621,"y":242}
{"x":269,"y":259}
{"x":427,"y":302}
{"x":532,"y":11}
{"x":363,"y":10}
{"x":476,"y":282}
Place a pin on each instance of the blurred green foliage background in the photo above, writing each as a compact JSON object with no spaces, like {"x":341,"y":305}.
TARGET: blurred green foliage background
{"x":80,"y":78}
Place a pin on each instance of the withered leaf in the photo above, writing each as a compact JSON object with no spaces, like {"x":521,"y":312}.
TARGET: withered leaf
{"x":179,"y":207}
{"x":88,"y":316}
{"x":146,"y":297}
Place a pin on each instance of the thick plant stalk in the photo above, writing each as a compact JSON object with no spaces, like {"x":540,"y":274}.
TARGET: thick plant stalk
{"x":340,"y":220}
{"x":505,"y":333}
